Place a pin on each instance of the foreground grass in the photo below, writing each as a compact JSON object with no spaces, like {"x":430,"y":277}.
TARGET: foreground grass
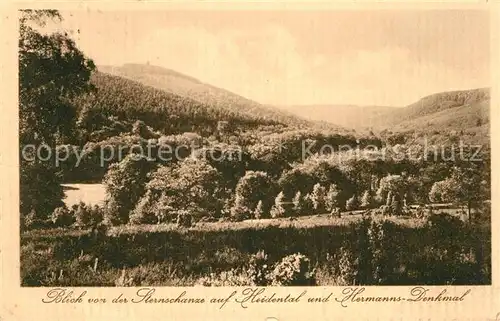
{"x":321,"y":220}
{"x":414,"y":251}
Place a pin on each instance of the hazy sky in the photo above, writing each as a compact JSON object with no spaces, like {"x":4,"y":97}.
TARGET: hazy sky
{"x":300,"y":57}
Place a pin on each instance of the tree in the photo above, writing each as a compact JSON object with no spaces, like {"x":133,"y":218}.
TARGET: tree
{"x":332,"y":198}
{"x":389,"y":199}
{"x":52,"y":71}
{"x":465,"y":186}
{"x":252,"y":188}
{"x":393,"y":184}
{"x":396,"y":206}
{"x":258,"y":210}
{"x":298,"y":204}
{"x":125,"y":184}
{"x":318,"y":198}
{"x":279,"y":207}
{"x":367,"y":200}
{"x":192,"y":186}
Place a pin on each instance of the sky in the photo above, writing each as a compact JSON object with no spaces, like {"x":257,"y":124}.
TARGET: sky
{"x":383,"y":57}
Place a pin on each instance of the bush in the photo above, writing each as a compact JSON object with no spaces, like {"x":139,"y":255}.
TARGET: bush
{"x":259,"y":269}
{"x":87,"y":215}
{"x":61,"y":217}
{"x":239,"y":211}
{"x":293,"y":270}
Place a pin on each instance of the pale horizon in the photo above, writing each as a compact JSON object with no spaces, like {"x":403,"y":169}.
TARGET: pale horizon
{"x":375,"y":58}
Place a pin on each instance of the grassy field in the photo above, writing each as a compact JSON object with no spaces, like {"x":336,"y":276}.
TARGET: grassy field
{"x":407,"y":251}
{"x":410,"y":251}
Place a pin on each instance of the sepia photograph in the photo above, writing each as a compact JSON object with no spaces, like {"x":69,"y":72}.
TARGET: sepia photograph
{"x":254,"y":148}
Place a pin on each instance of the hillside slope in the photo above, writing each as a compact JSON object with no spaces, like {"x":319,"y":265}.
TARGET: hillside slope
{"x":446,"y":102}
{"x":185,"y":86}
{"x":459,"y":111}
{"x":127,"y":100}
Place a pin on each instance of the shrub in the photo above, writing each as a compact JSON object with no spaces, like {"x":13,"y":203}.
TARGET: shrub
{"x":293,"y":270}
{"x":40,"y":189}
{"x":87,"y":215}
{"x":396,"y":206}
{"x":145,"y":212}
{"x":259,"y":269}
{"x":62,"y":217}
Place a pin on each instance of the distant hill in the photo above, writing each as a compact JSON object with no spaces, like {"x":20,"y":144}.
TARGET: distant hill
{"x":186,"y":86}
{"x":445,"y":103}
{"x":459,"y":111}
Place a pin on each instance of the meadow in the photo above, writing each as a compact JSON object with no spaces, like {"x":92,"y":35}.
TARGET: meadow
{"x":339,"y":251}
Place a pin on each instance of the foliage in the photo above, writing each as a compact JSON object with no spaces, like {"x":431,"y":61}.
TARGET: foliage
{"x":125,"y":184}
{"x":332,"y":198}
{"x":298,"y":204}
{"x":259,"y":269}
{"x":352,"y":203}
{"x":293,"y":270}
{"x":259,"y":211}
{"x":40,"y":189}
{"x":464,"y":186}
{"x":367,"y":201}
{"x":343,"y":264}
{"x":52,"y":70}
{"x":318,"y":196}
{"x":62,"y":217}
{"x":252,"y":188}
{"x":393,"y":185}
{"x":279,"y":209}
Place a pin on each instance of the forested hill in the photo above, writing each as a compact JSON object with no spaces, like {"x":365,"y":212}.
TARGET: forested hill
{"x":448,"y":102}
{"x":444,"y":115}
{"x":213,"y":97}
